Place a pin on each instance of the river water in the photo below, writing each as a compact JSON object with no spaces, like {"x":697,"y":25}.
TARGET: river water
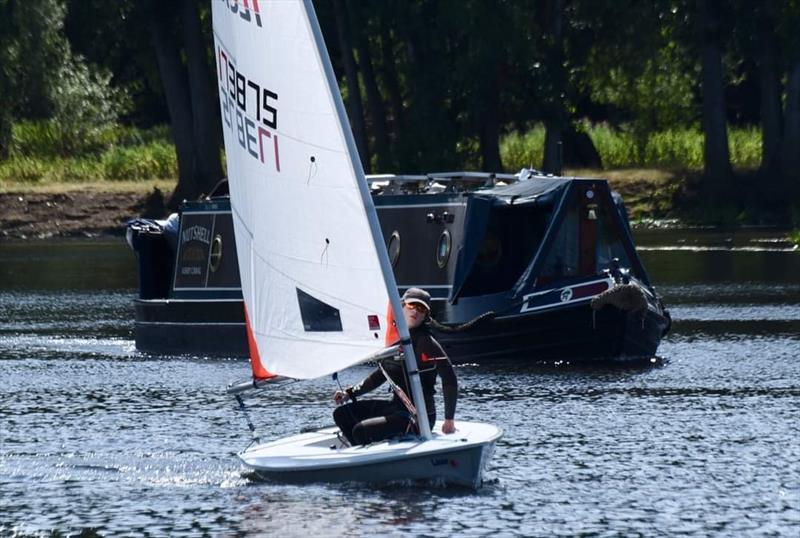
{"x":97,"y":438}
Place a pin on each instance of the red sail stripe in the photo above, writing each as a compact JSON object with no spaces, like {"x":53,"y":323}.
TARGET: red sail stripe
{"x":259,"y":372}
{"x":392,"y":336}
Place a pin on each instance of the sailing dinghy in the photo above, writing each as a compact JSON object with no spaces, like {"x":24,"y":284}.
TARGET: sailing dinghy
{"x":315,"y":273}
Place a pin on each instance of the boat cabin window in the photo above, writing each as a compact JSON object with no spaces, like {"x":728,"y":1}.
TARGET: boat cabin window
{"x":610,"y":243}
{"x":589,"y":238}
{"x":394,"y":248}
{"x":443,"y":249}
{"x":512,"y":237}
{"x":216,"y":253}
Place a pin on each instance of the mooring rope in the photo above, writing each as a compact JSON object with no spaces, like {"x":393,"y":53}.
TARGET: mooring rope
{"x":463,"y":326}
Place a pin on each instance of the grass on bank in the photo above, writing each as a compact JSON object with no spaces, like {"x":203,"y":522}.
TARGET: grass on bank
{"x":138,"y":187}
{"x":37,"y":155}
{"x":680,"y":149}
{"x":126,"y":159}
{"x":119,"y":154}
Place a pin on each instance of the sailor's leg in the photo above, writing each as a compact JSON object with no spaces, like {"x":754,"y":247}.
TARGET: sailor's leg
{"x":348,"y":415}
{"x":379,"y":428}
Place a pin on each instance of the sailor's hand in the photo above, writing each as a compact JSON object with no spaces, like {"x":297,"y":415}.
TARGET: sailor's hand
{"x":449,"y":426}
{"x":340,"y":397}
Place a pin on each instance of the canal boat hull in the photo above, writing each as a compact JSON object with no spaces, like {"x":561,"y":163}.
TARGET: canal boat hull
{"x":526,"y":260}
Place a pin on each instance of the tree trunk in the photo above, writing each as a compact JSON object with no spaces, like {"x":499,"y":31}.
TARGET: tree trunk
{"x":430,"y":138}
{"x":488,"y":110}
{"x":790,"y":167}
{"x":489,"y":131}
{"x":717,"y":164}
{"x":205,"y":105}
{"x":355,"y":108}
{"x":377,"y":111}
{"x":556,"y":122}
{"x":390,"y":79}
{"x":770,"y":96}
{"x":176,"y":91}
{"x":553,"y":147}
{"x":6,"y":78}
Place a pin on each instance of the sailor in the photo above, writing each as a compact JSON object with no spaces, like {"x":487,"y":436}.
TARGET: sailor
{"x":366,"y":421}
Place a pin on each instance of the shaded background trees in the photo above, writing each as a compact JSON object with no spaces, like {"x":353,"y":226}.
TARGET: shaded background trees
{"x":435,"y":84}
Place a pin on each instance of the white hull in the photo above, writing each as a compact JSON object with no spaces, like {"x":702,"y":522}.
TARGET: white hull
{"x":319,"y":456}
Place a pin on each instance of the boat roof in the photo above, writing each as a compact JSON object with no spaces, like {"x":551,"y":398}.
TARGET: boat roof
{"x":525,"y":185}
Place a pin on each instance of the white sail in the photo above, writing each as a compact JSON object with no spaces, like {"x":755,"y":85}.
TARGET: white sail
{"x":314,"y":293}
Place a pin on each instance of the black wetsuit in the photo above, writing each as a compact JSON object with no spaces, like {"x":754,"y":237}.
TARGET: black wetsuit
{"x":366,"y":421}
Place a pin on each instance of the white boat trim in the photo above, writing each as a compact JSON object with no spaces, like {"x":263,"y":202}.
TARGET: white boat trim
{"x":406,"y":206}
{"x":181,"y":288}
{"x":167,"y":301}
{"x":190,"y":323}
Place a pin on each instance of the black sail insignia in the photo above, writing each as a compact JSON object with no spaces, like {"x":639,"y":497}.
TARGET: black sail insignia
{"x":317,"y":315}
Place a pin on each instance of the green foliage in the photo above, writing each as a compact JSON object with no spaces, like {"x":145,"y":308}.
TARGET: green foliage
{"x":54,"y":170}
{"x":120,"y":153}
{"x":523,"y":150}
{"x":153,"y":160}
{"x":43,"y":138}
{"x":745,"y":145}
{"x":657,"y":96}
{"x":38,"y":49}
{"x":85,"y":106}
{"x":41,"y":79}
{"x":618,"y":148}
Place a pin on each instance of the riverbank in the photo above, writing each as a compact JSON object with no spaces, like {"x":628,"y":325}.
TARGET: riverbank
{"x":653,"y":197}
{"x":75,"y":210}
{"x":102,"y":208}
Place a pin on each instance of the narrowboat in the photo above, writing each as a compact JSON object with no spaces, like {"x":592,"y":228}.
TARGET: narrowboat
{"x":525,"y":266}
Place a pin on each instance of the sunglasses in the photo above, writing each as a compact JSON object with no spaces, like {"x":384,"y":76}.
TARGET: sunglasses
{"x":418,"y":307}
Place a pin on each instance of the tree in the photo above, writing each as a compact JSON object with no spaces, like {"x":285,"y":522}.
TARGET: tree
{"x":354,"y":104}
{"x":790,"y":149}
{"x":6,"y":74}
{"x":556,"y":120}
{"x":375,"y":104}
{"x":769,"y":79}
{"x":193,"y":111}
{"x":640,"y":67}
{"x":42,"y":79}
{"x":716,"y":157}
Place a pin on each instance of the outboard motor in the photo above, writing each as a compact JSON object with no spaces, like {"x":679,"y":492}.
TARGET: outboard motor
{"x":154,"y":242}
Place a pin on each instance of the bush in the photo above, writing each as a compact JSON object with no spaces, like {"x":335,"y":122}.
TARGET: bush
{"x":85,"y":106}
{"x":23,"y":169}
{"x":35,"y":139}
{"x":55,"y":170}
{"x":151,"y":161}
{"x":672,"y":148}
{"x":745,"y":147}
{"x":518,"y":151}
{"x":675,"y":148}
{"x":617,"y":148}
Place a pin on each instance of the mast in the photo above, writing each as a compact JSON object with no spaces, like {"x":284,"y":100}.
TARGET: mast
{"x":374,"y":224}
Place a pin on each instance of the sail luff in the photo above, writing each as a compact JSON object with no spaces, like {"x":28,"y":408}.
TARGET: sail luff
{"x":372,"y":217}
